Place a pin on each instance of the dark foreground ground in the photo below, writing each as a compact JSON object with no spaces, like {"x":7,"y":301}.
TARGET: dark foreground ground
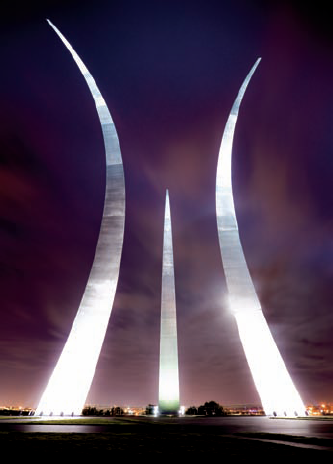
{"x":139,"y":437}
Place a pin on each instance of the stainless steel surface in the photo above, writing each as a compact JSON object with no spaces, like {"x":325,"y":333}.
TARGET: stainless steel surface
{"x":274,"y":385}
{"x":168,"y":375}
{"x":71,"y":379}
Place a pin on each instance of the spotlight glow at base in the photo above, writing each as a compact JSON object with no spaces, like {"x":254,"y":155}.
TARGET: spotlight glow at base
{"x":277,"y":392}
{"x":71,"y":379}
{"x":272,"y":380}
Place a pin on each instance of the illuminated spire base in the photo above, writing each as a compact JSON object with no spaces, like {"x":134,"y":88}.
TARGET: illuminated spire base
{"x":278,"y":394}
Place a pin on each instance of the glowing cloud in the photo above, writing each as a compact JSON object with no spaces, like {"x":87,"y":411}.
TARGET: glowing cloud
{"x":276,"y":390}
{"x":71,"y":379}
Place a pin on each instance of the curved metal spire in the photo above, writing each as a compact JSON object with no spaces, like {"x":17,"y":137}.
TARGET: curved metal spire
{"x":274,"y":385}
{"x":71,"y":379}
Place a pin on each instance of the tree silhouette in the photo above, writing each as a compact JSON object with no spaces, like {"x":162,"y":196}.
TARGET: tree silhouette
{"x":211,"y":408}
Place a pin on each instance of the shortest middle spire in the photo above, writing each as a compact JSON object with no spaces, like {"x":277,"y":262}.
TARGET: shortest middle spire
{"x":168,"y":373}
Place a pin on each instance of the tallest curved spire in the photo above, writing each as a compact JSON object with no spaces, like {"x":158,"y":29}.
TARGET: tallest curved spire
{"x":272,"y":380}
{"x":71,"y":379}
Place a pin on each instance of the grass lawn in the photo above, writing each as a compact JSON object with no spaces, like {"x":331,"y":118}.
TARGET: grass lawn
{"x":124,"y":436}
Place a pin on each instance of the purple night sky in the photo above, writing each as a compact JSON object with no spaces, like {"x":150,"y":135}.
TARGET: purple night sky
{"x":169,"y":72}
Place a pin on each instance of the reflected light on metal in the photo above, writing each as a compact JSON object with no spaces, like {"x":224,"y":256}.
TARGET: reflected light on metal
{"x":71,"y":379}
{"x":272,"y":380}
{"x":168,"y":375}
